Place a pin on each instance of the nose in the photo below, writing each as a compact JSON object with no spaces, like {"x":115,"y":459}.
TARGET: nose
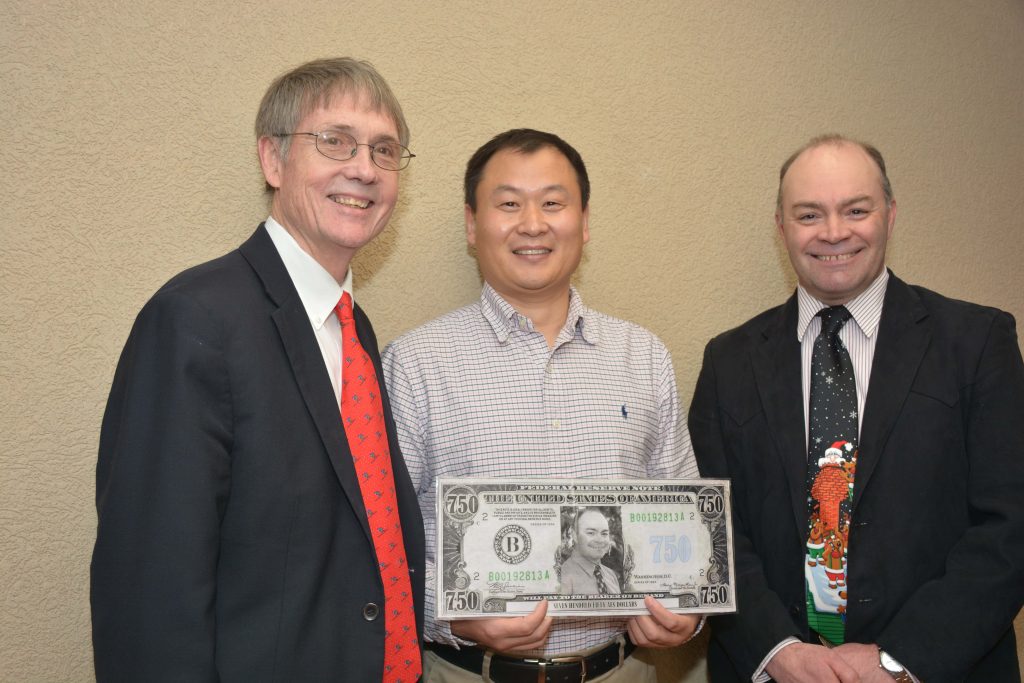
{"x":533,"y":220}
{"x":834,"y":229}
{"x":361,"y":166}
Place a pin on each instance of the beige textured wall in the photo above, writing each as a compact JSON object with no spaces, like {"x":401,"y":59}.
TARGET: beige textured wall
{"x":126,"y":155}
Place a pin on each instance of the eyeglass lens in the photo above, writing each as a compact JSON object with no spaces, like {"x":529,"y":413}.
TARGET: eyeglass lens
{"x":342,"y":147}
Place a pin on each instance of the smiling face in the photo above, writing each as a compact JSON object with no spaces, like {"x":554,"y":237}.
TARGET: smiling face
{"x":529,"y":226}
{"x":332,"y":208}
{"x":593,"y":540}
{"x":835,"y":221}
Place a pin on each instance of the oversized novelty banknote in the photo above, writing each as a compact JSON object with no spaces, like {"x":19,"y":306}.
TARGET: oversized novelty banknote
{"x":590,"y":547}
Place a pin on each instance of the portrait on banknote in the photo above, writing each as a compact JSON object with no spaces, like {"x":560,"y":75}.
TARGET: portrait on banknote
{"x":589,"y":547}
{"x":589,"y":560}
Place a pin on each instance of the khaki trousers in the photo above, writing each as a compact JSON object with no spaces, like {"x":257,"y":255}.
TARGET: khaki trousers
{"x":636,"y":669}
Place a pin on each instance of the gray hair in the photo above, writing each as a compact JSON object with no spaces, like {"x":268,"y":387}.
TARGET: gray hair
{"x":314,"y":84}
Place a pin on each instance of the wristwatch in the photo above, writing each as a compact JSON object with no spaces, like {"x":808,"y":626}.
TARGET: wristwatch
{"x":890,"y":666}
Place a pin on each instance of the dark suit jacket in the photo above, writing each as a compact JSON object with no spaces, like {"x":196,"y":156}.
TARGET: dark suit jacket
{"x":233,"y":543}
{"x":936,"y":548}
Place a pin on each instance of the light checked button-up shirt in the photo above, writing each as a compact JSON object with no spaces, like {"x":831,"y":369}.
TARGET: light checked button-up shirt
{"x":478,"y":393}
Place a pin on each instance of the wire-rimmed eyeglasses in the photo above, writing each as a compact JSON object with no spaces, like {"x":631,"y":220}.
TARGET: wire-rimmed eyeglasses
{"x":339,"y":146}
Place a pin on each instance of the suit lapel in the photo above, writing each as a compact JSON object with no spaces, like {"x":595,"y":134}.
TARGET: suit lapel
{"x":307,"y":363}
{"x":903,"y":337}
{"x":776,"y":366}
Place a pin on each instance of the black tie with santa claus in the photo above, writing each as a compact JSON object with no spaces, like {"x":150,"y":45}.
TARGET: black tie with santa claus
{"x":831,"y":463}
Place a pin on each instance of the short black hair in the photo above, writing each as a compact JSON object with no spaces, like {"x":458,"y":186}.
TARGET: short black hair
{"x":527,"y":141}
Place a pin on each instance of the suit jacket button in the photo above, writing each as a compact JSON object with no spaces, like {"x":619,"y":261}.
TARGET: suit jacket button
{"x":796,"y":611}
{"x":370,"y":611}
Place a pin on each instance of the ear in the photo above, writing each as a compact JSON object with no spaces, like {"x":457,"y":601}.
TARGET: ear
{"x":270,"y":160}
{"x":892,"y":217}
{"x":778,"y":223}
{"x":470,"y":226}
{"x":586,"y":224}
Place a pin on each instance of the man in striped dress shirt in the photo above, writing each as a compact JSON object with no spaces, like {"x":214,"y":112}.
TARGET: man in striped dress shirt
{"x":528,"y":382}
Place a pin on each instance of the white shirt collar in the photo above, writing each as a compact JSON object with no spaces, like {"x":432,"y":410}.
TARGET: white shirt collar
{"x":866,"y":308}
{"x":317,"y":288}
{"x":504,"y":319}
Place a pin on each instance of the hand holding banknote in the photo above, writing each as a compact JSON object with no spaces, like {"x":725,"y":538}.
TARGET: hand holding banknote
{"x":662,"y":628}
{"x":502,"y":634}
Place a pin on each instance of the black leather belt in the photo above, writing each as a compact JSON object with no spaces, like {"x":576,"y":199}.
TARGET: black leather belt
{"x":526,"y":670}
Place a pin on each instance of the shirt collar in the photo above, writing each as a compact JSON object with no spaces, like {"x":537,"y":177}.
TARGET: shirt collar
{"x":318,"y":290}
{"x":504,"y":319}
{"x":866,"y":308}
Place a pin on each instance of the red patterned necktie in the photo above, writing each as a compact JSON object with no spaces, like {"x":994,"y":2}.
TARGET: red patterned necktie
{"x":362,"y":414}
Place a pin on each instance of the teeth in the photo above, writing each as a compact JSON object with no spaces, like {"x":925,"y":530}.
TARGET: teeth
{"x":349,"y":201}
{"x":834,"y":257}
{"x":531,"y":252}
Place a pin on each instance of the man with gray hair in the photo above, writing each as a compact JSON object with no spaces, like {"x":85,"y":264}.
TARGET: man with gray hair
{"x":256,"y":519}
{"x":872,"y":431}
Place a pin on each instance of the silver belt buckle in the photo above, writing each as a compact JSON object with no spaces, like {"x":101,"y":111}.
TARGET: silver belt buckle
{"x":542,"y":665}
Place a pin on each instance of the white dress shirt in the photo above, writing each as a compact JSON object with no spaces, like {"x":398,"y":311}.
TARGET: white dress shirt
{"x":319,"y":293}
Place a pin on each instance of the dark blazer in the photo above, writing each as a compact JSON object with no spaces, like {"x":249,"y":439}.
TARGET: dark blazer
{"x":233,"y":543}
{"x":936,"y":548}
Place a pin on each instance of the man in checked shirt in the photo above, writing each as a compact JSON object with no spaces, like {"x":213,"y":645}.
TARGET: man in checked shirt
{"x":528,"y":382}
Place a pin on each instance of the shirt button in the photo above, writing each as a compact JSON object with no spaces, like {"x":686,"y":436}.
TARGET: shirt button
{"x":556,"y":423}
{"x":370,"y":611}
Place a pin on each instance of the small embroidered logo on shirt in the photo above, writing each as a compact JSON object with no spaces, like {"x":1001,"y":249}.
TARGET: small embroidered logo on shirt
{"x":624,"y":413}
